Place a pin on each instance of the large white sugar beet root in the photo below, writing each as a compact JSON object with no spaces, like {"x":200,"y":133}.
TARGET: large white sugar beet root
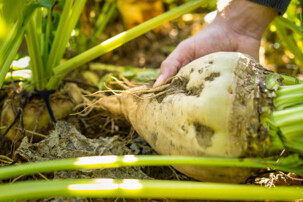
{"x":209,"y":109}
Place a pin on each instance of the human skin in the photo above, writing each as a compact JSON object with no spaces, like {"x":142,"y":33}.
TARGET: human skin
{"x":238,"y":27}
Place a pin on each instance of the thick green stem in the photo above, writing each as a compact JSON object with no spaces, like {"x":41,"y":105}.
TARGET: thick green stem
{"x":132,"y":188}
{"x":47,"y":35}
{"x":33,"y":37}
{"x":290,"y":80}
{"x":119,"y":40}
{"x":11,"y":43}
{"x":9,"y":50}
{"x":60,"y":32}
{"x":288,"y":117}
{"x":72,"y":21}
{"x":131,"y":160}
{"x":38,"y":16}
{"x":68,"y":20}
{"x":290,"y":124}
{"x":288,"y":96}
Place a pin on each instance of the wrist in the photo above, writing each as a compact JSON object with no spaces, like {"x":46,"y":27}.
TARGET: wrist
{"x":245,"y":17}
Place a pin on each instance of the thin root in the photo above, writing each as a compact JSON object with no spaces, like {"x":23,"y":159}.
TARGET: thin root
{"x":90,"y":104}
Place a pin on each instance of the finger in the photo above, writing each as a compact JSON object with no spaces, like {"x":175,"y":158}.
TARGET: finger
{"x":182,"y":55}
{"x":169,"y":68}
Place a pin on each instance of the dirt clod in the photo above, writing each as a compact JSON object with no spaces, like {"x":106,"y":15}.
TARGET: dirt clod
{"x":177,"y":85}
{"x":212,"y":76}
{"x":66,"y":142}
{"x":196,"y":91}
{"x":204,"y":135}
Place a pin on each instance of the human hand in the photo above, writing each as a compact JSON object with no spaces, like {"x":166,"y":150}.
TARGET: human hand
{"x":238,"y":27}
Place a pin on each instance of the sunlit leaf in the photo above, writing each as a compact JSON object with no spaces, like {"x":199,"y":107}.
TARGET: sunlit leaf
{"x":11,"y":9}
{"x":18,"y":9}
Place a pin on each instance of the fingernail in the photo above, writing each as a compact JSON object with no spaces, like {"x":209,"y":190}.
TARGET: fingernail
{"x":159,"y":81}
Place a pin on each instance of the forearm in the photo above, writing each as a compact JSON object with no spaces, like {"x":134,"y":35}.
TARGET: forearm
{"x":246,"y":17}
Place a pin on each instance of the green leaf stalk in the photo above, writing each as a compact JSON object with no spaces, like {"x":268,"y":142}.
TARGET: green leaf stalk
{"x":292,"y":163}
{"x":131,"y":188}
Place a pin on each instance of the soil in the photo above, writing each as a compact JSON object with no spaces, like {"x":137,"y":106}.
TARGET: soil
{"x":100,"y":134}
